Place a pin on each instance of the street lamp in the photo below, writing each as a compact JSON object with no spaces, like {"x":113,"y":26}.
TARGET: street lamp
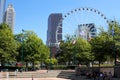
{"x":113,"y":43}
{"x":50,"y":46}
{"x":22,"y":46}
{"x":74,"y":43}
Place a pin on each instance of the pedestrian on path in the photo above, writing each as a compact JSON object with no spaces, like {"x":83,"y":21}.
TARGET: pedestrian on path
{"x":32,"y":77}
{"x":109,"y":76}
{"x":105,"y":76}
{"x":101,"y":75}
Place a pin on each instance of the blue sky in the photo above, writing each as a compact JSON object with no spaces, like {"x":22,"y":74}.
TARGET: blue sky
{"x":33,"y":14}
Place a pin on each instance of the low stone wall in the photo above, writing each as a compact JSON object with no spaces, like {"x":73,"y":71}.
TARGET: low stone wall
{"x":117,"y":71}
{"x":84,"y":70}
{"x":114,"y":70}
{"x":107,"y":70}
{"x":4,"y":74}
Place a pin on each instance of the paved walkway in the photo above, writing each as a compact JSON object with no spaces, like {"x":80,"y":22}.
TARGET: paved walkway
{"x":33,"y":79}
{"x":45,"y":79}
{"x":51,"y":75}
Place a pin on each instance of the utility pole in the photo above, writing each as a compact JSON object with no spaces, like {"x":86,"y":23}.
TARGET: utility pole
{"x":113,"y":43}
{"x":22,"y":47}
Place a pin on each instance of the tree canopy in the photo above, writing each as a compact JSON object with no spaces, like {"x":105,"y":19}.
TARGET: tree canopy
{"x":8,"y":46}
{"x":78,"y":52}
{"x":32,"y":48}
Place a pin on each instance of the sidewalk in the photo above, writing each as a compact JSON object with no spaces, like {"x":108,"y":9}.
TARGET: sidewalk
{"x":33,"y":79}
{"x":47,"y":79}
{"x":44,"y":75}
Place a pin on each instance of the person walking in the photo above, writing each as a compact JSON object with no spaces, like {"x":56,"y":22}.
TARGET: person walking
{"x":105,"y":76}
{"x":101,"y":75}
{"x":109,"y":76}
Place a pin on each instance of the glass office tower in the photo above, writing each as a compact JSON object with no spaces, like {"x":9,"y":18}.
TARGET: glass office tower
{"x":2,"y":9}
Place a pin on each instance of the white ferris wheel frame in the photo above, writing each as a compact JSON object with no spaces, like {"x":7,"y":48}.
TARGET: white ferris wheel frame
{"x":73,"y":11}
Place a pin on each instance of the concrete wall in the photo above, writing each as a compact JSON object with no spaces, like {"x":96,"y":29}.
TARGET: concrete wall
{"x":117,"y":71}
{"x":114,"y":70}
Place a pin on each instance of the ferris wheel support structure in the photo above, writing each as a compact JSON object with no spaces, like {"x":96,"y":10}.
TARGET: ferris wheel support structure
{"x":74,"y":11}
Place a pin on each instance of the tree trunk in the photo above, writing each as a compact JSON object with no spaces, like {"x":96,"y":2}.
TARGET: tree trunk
{"x":2,"y":63}
{"x":33,"y":65}
{"x":26,"y":66}
{"x":99,"y":64}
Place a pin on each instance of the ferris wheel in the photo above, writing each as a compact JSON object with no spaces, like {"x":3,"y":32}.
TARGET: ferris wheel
{"x":83,"y":22}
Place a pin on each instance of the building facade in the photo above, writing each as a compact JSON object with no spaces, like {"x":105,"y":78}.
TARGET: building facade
{"x":2,"y":9}
{"x":9,"y":16}
{"x":53,"y":22}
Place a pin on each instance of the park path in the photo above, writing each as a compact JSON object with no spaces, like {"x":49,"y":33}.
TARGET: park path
{"x":33,"y":79}
{"x":50,"y":75}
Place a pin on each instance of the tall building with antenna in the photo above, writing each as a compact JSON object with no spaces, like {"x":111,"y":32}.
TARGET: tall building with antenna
{"x":2,"y":9}
{"x":9,"y":16}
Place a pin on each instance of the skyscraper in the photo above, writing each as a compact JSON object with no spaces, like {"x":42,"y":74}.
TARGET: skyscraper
{"x":9,"y":16}
{"x":53,"y":22}
{"x":2,"y":9}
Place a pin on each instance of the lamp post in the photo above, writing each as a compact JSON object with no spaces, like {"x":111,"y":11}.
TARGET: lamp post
{"x":114,"y":46}
{"x":50,"y":57}
{"x":74,"y":58}
{"x":22,"y":47}
{"x":113,"y":43}
{"x":114,"y":52}
{"x":50,"y":46}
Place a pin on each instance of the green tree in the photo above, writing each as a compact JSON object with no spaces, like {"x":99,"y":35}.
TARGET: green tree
{"x":32,"y":48}
{"x":99,"y":48}
{"x":114,"y":30}
{"x":8,"y":45}
{"x":82,"y":50}
{"x":105,"y":44}
{"x":76,"y":53}
{"x":65,"y":52}
{"x":52,"y":61}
